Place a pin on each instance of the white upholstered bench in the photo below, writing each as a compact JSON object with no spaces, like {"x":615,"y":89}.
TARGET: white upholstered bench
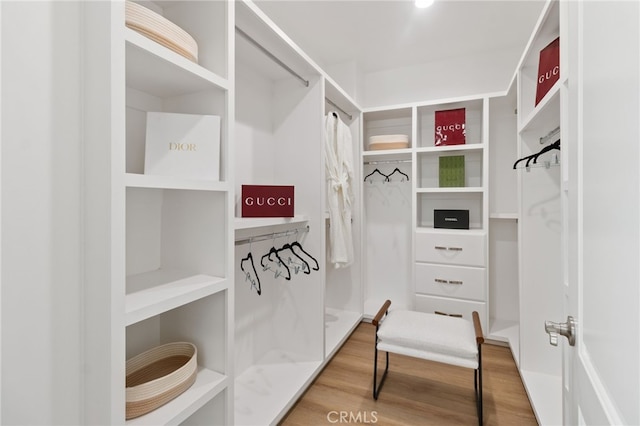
{"x":434,"y":337}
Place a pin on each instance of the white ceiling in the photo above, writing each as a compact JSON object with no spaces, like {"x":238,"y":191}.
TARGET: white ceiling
{"x":386,"y":34}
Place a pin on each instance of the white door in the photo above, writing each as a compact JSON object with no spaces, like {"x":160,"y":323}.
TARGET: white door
{"x":601,"y":181}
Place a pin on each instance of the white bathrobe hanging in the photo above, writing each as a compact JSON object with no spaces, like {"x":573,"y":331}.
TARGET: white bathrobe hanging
{"x":339,"y":171}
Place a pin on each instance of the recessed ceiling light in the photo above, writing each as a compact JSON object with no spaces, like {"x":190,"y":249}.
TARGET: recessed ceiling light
{"x":423,"y":3}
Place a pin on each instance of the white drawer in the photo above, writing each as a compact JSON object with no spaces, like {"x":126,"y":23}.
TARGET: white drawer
{"x":433,"y":304}
{"x":450,"y":281}
{"x":458,"y":248}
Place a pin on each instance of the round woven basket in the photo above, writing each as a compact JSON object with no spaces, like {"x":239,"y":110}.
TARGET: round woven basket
{"x":161,"y":30}
{"x":158,"y":375}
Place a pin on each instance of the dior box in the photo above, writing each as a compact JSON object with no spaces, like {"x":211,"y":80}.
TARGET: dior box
{"x":451,"y":219}
{"x":182,"y":145}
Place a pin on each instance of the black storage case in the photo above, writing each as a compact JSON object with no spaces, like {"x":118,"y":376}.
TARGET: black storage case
{"x":451,"y":219}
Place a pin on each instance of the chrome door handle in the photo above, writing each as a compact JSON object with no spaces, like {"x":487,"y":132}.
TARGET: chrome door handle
{"x":566,"y":329}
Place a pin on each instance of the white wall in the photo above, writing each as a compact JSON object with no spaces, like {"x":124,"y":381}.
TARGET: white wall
{"x":349,"y":77}
{"x":450,"y":78}
{"x":40,"y":190}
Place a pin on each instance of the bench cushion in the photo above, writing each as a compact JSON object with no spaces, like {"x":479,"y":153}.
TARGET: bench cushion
{"x":433,"y":337}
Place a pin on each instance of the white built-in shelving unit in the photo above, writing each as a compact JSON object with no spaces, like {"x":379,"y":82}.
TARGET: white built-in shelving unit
{"x":540,"y":226}
{"x":158,"y":247}
{"x":164,"y":252}
{"x":404,"y":259}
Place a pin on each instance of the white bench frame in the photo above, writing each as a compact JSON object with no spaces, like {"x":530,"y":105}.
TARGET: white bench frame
{"x":477,"y":375}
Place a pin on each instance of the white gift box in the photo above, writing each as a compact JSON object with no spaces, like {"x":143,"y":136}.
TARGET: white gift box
{"x":182,"y":145}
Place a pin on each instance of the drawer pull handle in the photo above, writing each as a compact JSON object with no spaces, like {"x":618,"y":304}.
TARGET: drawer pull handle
{"x":448,"y":248}
{"x":449,"y":315}
{"x":441,"y":281}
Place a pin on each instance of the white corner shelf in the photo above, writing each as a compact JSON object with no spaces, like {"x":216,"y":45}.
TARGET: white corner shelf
{"x":152,"y":293}
{"x":208,"y":384}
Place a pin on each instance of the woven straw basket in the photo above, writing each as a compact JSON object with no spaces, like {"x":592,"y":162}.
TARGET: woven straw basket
{"x":158,"y":375}
{"x":161,"y":30}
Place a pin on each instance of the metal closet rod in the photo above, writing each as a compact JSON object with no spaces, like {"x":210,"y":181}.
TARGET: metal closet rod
{"x":271,"y":235}
{"x":387,"y":162}
{"x":549,"y":136}
{"x":330,"y":102}
{"x":272,"y":56}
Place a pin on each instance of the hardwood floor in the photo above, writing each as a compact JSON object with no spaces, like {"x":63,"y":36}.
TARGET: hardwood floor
{"x":416,"y":392}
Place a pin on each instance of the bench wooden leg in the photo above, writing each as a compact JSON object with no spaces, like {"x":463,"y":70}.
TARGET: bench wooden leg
{"x":376,"y":388}
{"x":477,"y":384}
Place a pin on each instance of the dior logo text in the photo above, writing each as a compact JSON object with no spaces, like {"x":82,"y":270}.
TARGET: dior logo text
{"x":267,"y":201}
{"x":547,"y":75}
{"x":450,"y":127}
{"x":173,"y":146}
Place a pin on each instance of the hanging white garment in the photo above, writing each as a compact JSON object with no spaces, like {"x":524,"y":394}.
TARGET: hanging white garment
{"x":339,"y":173}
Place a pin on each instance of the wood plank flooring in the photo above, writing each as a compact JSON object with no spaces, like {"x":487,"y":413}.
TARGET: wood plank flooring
{"x":416,"y":392}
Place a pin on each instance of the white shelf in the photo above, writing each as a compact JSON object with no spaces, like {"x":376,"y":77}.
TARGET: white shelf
{"x":338,"y":326}
{"x":152,"y":293}
{"x":135,"y":180}
{"x":258,"y":222}
{"x":429,"y":230}
{"x":547,"y":111}
{"x":507,"y":216}
{"x":545,"y":393}
{"x":208,"y":384}
{"x":460,"y":190}
{"x":158,"y":70}
{"x":450,"y":148}
{"x":383,"y":152}
{"x":265,"y":391}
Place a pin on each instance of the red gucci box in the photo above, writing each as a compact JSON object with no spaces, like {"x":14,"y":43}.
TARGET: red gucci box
{"x":450,"y":127}
{"x":548,"y":69}
{"x":267,"y":200}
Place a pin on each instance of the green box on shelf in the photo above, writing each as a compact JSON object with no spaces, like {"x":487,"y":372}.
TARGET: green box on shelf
{"x":452,"y":171}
